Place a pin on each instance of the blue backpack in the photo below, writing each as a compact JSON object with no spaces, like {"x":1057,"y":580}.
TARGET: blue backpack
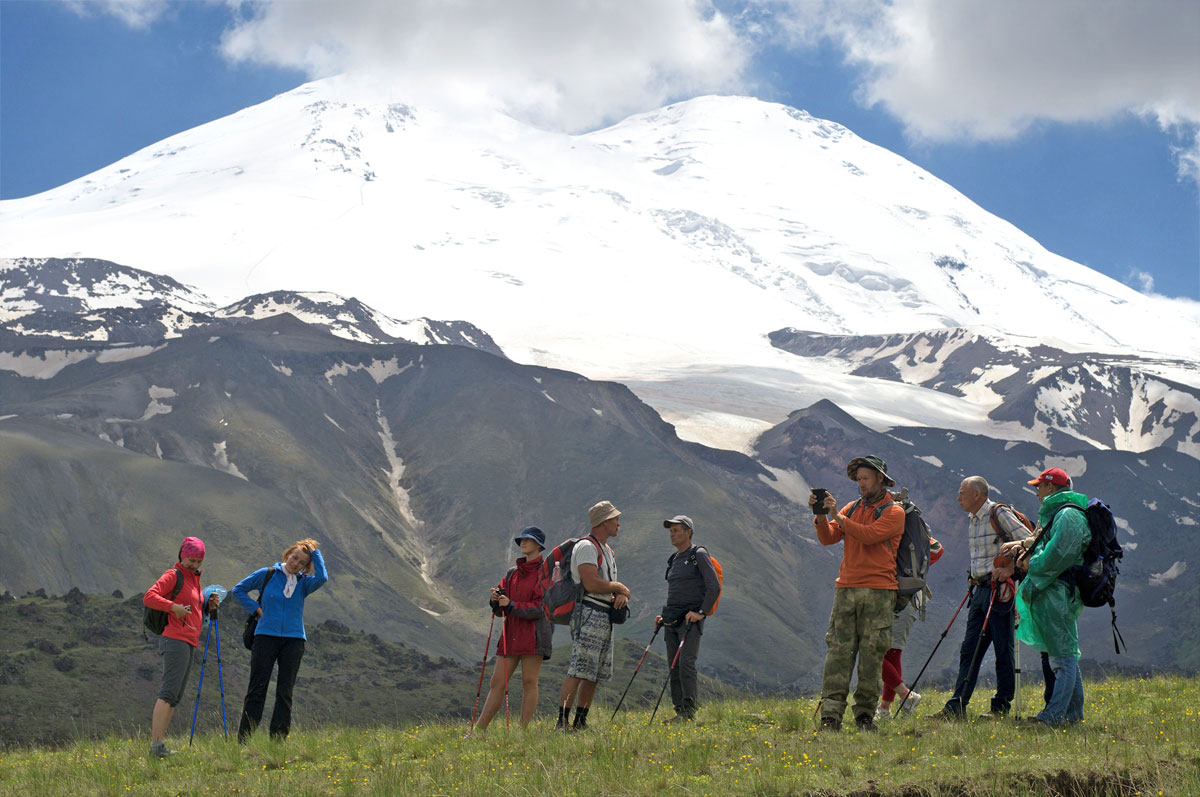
{"x":1096,"y":578}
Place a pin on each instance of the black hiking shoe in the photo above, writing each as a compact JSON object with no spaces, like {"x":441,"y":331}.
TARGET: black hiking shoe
{"x":865,"y":723}
{"x":831,"y":724}
{"x":948,"y":715}
{"x":580,"y":720}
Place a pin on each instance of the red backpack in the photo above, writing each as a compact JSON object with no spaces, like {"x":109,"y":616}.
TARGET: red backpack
{"x":559,"y":590}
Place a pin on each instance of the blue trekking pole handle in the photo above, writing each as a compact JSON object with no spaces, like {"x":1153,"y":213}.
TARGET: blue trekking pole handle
{"x":200,"y":685}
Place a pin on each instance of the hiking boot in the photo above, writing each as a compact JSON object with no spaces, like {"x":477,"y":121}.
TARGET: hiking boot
{"x":680,"y":718}
{"x":994,"y":714}
{"x":831,"y":724}
{"x":909,"y":704}
{"x":580,"y":720}
{"x":948,"y":715}
{"x":865,"y":724}
{"x":159,"y":750}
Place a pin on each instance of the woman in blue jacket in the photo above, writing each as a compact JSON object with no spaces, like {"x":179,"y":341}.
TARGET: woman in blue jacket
{"x":279,"y":636}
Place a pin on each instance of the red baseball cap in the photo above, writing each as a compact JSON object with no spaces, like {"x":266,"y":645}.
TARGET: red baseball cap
{"x":1056,"y":476}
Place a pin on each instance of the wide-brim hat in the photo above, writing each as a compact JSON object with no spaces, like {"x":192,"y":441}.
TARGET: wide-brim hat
{"x":682,"y":520}
{"x":532,"y":533}
{"x":872,"y":462}
{"x":601,"y":512}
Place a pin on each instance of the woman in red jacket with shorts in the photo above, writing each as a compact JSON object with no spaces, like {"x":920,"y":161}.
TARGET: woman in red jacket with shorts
{"x":525,"y":638}
{"x":177,"y":592}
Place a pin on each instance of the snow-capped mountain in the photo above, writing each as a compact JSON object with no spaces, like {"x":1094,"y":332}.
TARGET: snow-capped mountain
{"x":83,"y":299}
{"x":659,"y":252}
{"x":1125,"y":403}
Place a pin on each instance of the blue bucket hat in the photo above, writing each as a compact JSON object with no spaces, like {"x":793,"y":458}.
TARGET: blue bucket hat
{"x":532,"y":533}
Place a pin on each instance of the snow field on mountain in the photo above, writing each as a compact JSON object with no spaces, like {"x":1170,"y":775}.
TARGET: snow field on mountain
{"x":657,"y":252}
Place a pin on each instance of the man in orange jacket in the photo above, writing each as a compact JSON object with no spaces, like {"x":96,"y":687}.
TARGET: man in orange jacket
{"x":860,"y":625}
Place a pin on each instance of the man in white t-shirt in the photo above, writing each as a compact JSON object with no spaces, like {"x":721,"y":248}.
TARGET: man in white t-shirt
{"x":594,"y":566}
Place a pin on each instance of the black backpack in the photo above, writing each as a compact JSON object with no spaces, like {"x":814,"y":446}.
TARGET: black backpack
{"x":1096,"y":578}
{"x":156,"y":619}
{"x":912,"y":559}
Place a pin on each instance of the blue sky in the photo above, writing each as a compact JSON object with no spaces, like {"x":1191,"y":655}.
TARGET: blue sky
{"x":1091,"y":151}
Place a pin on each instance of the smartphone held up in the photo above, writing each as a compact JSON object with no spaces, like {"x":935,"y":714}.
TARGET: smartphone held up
{"x":818,"y":507}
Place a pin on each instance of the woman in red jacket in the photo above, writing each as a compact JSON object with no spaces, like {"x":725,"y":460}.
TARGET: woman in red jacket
{"x":177,"y":592}
{"x":526,"y":631}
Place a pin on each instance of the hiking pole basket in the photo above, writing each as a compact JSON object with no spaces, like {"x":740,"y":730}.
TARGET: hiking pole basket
{"x":635,"y":672}
{"x":482,"y":668}
{"x":913,"y":686}
{"x":670,"y":669}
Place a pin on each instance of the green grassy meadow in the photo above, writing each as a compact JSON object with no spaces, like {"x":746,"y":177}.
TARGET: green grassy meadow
{"x":1140,"y":736}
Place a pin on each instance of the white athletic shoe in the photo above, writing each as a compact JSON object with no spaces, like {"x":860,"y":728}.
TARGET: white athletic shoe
{"x":882,"y":714}
{"x":908,"y":705}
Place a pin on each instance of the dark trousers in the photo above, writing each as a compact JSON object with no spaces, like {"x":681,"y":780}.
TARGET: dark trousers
{"x":683,"y":678}
{"x":999,"y":633}
{"x":287,"y":651}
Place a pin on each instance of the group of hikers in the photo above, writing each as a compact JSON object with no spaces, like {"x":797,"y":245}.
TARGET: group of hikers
{"x":870,"y":620}
{"x":1016,"y":571}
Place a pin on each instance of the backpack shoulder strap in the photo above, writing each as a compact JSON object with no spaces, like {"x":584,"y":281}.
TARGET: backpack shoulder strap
{"x":879,"y":509}
{"x":266,"y":581}
{"x":178,"y":583}
{"x":1001,"y":533}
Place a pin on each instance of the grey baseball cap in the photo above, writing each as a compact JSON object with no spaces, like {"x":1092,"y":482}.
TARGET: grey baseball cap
{"x":682,"y":520}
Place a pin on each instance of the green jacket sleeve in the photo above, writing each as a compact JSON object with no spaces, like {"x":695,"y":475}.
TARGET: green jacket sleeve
{"x":1063,"y":551}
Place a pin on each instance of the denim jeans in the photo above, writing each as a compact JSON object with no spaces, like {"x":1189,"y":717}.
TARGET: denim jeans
{"x":1066,"y":702}
{"x":998,"y":634}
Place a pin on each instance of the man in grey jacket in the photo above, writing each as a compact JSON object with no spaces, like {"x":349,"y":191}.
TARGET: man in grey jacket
{"x":693,"y":589}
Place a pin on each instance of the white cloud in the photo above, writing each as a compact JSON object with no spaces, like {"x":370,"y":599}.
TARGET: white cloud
{"x":139,"y":14}
{"x":564,"y":63}
{"x":1141,"y":280}
{"x":980,"y":69}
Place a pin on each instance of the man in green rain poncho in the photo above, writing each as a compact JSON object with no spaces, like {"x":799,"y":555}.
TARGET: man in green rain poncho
{"x":1048,"y":605}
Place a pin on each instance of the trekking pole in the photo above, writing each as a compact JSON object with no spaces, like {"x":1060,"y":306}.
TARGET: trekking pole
{"x":504,"y":636}
{"x":913,"y":686}
{"x":982,"y":631}
{"x":635,"y":672}
{"x":482,"y":668}
{"x":200,"y":685}
{"x":674,"y":661}
{"x":220,"y":677}
{"x":1017,"y":666}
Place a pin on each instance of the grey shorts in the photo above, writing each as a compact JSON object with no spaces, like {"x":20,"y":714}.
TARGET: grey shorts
{"x":591,"y":645}
{"x":902,"y":623}
{"x":177,"y":663}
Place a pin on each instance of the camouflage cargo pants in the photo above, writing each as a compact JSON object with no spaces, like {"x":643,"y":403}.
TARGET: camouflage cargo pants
{"x":860,"y":625}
